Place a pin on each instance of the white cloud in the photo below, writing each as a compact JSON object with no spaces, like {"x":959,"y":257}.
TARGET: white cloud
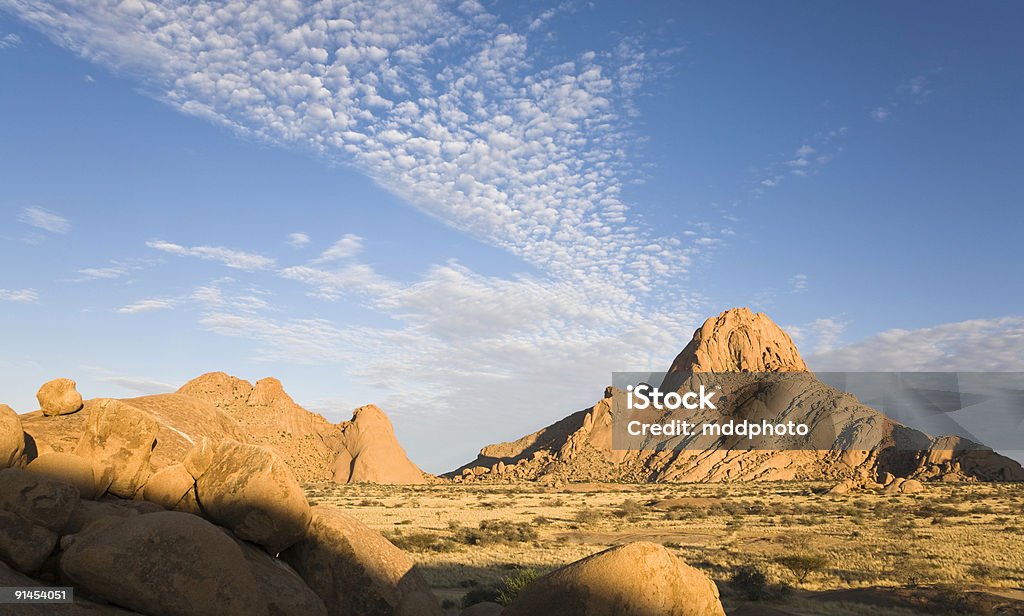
{"x":45,"y":220}
{"x":821,"y":334}
{"x":10,"y":40}
{"x":799,"y":282}
{"x":527,"y":156}
{"x":232,"y":258}
{"x":454,"y":112}
{"x":149,"y":305}
{"x":348,"y":246}
{"x":105,"y":273}
{"x":881,"y":113}
{"x":298,"y":240}
{"x":135,"y":384}
{"x":983,"y":345}
{"x":23,"y":296}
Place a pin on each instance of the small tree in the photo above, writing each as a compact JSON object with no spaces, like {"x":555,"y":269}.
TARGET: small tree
{"x":803,"y":565}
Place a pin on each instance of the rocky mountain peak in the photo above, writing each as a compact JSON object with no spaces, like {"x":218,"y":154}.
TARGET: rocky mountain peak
{"x":739,"y":340}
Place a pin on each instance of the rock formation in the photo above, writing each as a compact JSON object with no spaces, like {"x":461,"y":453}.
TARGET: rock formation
{"x":369,"y":452}
{"x":268,"y":416}
{"x":374,"y":579}
{"x":361,"y":450}
{"x":59,"y":397}
{"x":12,"y":437}
{"x":182,"y":422}
{"x":214,"y":407}
{"x":847,"y":441}
{"x":635,"y":579}
{"x":739,"y":341}
{"x":218,"y":558}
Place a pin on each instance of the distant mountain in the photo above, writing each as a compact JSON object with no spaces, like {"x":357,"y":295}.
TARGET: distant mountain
{"x":850,"y":441}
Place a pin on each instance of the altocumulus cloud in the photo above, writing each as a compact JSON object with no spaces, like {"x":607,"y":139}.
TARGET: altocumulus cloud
{"x":448,"y":108}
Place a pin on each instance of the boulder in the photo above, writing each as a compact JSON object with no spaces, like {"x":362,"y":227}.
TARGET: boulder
{"x":911,"y":486}
{"x":66,"y":467}
{"x":843,"y":487}
{"x":635,"y":579}
{"x":119,"y":437}
{"x":894,"y":486}
{"x":486,"y":608}
{"x":199,"y":457}
{"x":12,"y":438}
{"x":40,"y":501}
{"x":59,"y":397}
{"x":86,"y":512}
{"x":23,"y":545}
{"x":356,"y":571}
{"x":251,"y":491}
{"x":168,"y":486}
{"x":285,"y":591}
{"x":81,"y":607}
{"x":188,"y":567}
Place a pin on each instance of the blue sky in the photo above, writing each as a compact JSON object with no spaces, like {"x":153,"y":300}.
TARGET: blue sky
{"x":471,"y":213}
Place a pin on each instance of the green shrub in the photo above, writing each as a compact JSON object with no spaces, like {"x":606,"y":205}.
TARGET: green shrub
{"x":803,"y":565}
{"x":750,"y":582}
{"x":491,"y":532}
{"x":504,"y":592}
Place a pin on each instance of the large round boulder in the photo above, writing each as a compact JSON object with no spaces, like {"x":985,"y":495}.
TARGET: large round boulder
{"x":635,"y":579}
{"x":487,"y":608}
{"x":81,"y":607}
{"x":59,"y":397}
{"x":356,"y":571}
{"x":23,"y":545}
{"x":66,"y":467}
{"x":251,"y":491}
{"x":40,"y":501}
{"x":12,"y":437}
{"x":177,"y":564}
{"x":87,"y":512}
{"x":119,"y":438}
{"x":285,"y":591}
{"x":168,"y":486}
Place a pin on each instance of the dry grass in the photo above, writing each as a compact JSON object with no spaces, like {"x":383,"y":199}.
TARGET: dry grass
{"x":952,"y":536}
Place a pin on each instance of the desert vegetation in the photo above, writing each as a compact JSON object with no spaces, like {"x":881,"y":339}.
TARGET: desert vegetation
{"x":953,"y":548}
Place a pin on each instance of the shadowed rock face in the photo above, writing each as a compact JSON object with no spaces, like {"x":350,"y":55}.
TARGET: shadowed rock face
{"x":250,"y":490}
{"x":189,"y":567}
{"x":848,"y":440}
{"x":636,"y":579}
{"x":355,"y":570}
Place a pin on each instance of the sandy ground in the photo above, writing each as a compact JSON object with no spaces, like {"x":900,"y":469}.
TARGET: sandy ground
{"x":955,"y":548}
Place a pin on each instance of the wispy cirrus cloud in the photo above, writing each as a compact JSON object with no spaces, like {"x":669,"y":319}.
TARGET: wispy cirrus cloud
{"x":45,"y":220}
{"x":9,"y":41}
{"x":23,"y":296}
{"x":348,"y":246}
{"x":149,"y":305}
{"x":236,"y":259}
